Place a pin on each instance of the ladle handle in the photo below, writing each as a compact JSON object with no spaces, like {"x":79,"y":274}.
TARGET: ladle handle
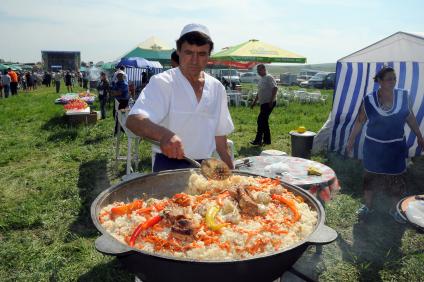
{"x":154,"y":142}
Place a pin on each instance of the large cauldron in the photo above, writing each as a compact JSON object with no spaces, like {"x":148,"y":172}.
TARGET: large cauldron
{"x":154,"y":267}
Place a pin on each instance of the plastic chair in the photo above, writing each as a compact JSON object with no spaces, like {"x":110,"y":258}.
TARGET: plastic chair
{"x":314,"y":96}
{"x":324,"y":98}
{"x":246,"y":98}
{"x":133,"y":142}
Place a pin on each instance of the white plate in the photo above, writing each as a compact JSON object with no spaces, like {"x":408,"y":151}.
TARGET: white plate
{"x":415,"y":212}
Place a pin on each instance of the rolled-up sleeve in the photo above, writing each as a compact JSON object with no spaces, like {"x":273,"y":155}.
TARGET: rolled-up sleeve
{"x":153,"y":101}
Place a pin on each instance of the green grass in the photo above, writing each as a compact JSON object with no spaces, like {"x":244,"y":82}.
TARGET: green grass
{"x":51,"y":172}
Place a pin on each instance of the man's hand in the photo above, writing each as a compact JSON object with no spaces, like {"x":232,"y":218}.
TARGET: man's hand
{"x":172,"y":146}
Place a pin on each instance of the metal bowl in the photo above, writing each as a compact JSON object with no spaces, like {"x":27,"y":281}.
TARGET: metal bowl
{"x":158,"y":267}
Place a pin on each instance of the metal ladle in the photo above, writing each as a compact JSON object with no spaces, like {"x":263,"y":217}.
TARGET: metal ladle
{"x":210,"y":168}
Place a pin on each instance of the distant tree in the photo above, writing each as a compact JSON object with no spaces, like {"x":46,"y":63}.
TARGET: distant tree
{"x":2,"y":61}
{"x":84,"y":64}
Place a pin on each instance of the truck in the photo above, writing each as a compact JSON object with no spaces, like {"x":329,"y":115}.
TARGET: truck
{"x":288,"y":79}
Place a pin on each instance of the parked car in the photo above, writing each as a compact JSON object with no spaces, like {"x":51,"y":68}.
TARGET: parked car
{"x":249,"y":77}
{"x":305,"y":75}
{"x":228,"y":77}
{"x":322,"y":80}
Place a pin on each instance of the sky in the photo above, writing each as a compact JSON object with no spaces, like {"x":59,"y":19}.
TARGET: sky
{"x":102,"y":30}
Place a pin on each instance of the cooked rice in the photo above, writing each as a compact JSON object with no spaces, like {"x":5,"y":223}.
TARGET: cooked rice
{"x":251,"y":236}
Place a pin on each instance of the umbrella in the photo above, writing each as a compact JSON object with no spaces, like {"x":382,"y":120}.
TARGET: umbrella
{"x":257,"y":51}
{"x":135,"y":62}
{"x":231,"y":64}
{"x":3,"y":67}
{"x":15,"y":67}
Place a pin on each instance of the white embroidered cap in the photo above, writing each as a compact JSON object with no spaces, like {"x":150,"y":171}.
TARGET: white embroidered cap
{"x":195,"y":27}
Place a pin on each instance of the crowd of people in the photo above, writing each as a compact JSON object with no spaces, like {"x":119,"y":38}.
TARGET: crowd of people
{"x":12,"y":82}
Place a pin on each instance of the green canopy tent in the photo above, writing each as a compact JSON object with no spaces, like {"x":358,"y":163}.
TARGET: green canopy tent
{"x":16,"y":67}
{"x":27,"y":67}
{"x":153,"y":49}
{"x":12,"y":66}
{"x":3,"y":67}
{"x":257,"y":51}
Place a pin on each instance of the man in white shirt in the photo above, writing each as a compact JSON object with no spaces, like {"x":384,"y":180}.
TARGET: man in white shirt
{"x":184,"y":108}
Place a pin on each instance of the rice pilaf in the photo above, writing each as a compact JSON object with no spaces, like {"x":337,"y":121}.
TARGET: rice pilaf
{"x":237,"y":218}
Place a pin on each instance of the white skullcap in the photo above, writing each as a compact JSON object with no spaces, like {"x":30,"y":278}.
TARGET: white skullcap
{"x":195,"y":27}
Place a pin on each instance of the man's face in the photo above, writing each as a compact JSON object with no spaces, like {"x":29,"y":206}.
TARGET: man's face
{"x":193,"y":58}
{"x":261,"y":71}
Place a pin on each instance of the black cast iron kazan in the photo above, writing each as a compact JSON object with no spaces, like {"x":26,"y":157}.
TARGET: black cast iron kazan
{"x":155,"y":267}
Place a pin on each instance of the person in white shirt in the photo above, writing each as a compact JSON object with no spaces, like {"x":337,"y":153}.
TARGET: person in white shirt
{"x":5,"y":80}
{"x":184,"y":108}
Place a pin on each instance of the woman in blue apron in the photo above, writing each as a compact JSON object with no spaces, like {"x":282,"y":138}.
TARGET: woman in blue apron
{"x":384,"y":154}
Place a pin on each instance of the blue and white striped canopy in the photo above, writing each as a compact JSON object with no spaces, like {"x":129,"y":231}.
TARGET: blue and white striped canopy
{"x":353,"y":81}
{"x":135,"y":74}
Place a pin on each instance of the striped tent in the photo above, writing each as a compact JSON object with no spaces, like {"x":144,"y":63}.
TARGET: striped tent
{"x":354,"y":79}
{"x":135,"y":74}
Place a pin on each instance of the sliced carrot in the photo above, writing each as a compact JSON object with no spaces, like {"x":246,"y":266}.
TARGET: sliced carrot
{"x":290,"y":204}
{"x":144,"y":210}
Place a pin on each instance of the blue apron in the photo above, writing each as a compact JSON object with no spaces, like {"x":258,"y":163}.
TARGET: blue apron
{"x":385,"y":148}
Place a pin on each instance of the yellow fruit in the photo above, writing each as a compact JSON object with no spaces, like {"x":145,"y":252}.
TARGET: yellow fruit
{"x":301,"y":129}
{"x":314,"y":171}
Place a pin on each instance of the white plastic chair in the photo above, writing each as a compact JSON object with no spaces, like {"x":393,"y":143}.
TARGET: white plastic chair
{"x":132,"y":151}
{"x":324,"y":98}
{"x":315,"y":96}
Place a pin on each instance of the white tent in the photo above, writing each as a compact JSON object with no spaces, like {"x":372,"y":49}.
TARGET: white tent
{"x":354,"y":79}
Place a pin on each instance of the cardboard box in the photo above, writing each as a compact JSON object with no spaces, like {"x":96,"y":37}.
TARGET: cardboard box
{"x":78,"y":119}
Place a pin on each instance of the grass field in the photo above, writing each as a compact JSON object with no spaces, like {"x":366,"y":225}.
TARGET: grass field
{"x":51,"y":172}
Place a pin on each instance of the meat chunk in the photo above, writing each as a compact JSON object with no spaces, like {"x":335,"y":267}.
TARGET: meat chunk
{"x":277,"y":190}
{"x":172,"y":212}
{"x":245,"y":200}
{"x":183,"y":228}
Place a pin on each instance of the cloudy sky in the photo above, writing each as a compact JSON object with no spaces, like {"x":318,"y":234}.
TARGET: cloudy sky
{"x":103,"y":30}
